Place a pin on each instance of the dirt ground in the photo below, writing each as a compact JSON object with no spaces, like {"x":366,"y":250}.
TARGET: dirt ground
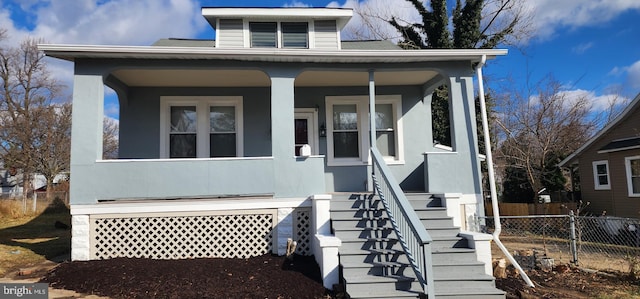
{"x":275,"y":277}
{"x":570,"y":283}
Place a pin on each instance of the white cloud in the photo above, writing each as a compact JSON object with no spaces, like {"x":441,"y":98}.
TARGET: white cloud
{"x":297,"y":4}
{"x":550,"y":15}
{"x":633,"y":75}
{"x":117,"y":21}
{"x":581,"y":48}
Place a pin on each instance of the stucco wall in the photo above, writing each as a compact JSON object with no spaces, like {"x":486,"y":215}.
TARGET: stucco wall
{"x":140,"y":120}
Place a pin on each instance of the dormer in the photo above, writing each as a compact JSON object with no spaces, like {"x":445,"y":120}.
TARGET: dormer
{"x":288,"y":28}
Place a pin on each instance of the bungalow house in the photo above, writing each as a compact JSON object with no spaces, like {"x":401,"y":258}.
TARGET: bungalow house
{"x":608,"y":165}
{"x":271,"y":132}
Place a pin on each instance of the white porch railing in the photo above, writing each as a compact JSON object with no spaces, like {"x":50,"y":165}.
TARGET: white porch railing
{"x":413,"y":236}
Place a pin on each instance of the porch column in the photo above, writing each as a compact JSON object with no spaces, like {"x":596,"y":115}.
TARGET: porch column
{"x":86,"y":148}
{"x":463,"y":127}
{"x":372,"y":125}
{"x":282,"y":129}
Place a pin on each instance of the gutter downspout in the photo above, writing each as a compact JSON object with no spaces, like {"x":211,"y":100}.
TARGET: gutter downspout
{"x":492,"y":177}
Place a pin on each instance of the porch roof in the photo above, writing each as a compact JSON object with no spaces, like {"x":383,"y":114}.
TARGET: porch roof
{"x":72,"y":52}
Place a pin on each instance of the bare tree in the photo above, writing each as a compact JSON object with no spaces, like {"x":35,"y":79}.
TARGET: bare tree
{"x":110,"y":142}
{"x":476,"y":23}
{"x":536,"y":130}
{"x":28,"y":139}
{"x":53,"y":150}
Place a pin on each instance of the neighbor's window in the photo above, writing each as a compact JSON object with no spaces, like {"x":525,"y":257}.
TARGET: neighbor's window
{"x":348,"y":129}
{"x":264,"y":34}
{"x":601,"y":175}
{"x":632,"y":164}
{"x":186,"y":133}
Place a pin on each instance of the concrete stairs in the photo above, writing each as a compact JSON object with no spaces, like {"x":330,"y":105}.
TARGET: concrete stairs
{"x":373,"y":264}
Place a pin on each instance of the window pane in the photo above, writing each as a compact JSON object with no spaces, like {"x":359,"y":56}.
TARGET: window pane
{"x":635,"y":185}
{"x":386,"y":143}
{"x":222,"y":145}
{"x":602,"y":168}
{"x":345,"y":117}
{"x":602,"y":180}
{"x":222,"y":119}
{"x":294,"y":35}
{"x":263,"y":34}
{"x":345,"y":145}
{"x":302,"y":132}
{"x":384,"y":116}
{"x":183,"y":119}
{"x":182,"y":146}
{"x":635,"y":167}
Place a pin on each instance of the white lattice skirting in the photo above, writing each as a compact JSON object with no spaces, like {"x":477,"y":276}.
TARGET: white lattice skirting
{"x":225,"y":234}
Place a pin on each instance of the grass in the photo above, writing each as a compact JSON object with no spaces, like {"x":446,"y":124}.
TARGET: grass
{"x":26,"y":240}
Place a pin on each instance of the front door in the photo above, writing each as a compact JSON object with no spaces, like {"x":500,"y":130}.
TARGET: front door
{"x":306,"y":129}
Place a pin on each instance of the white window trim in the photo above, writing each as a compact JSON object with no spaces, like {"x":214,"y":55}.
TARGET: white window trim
{"x":247,"y":32}
{"x":596,"y":182}
{"x":362,"y":109}
{"x":627,"y":166}
{"x":202,"y":104}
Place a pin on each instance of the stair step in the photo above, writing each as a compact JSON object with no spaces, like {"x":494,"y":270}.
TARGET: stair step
{"x":364,"y":292}
{"x":374,"y":265}
{"x":379,"y":279}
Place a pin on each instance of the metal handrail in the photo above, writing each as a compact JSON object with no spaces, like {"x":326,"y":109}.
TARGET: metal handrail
{"x":413,"y":236}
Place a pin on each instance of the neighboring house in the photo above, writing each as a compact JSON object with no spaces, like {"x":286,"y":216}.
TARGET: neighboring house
{"x":9,"y":182}
{"x":231,"y":147}
{"x":609,"y":166}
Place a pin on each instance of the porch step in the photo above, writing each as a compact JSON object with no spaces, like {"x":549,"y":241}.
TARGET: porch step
{"x":375,"y":266}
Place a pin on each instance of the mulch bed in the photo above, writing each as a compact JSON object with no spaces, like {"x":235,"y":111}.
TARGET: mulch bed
{"x":264,"y":276}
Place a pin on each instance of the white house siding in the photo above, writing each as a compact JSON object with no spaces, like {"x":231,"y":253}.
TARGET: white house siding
{"x":230,"y":34}
{"x":326,"y":36}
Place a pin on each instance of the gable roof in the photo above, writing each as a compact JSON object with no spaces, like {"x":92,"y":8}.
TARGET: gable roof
{"x":341,"y":15}
{"x":346,"y":45}
{"x":72,"y":52}
{"x":634,"y":105}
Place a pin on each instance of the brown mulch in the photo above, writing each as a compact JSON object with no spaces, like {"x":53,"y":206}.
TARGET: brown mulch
{"x":270,"y":276}
{"x":264,"y":276}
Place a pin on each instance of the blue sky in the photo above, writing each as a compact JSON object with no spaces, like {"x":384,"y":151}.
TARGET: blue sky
{"x":591,"y":46}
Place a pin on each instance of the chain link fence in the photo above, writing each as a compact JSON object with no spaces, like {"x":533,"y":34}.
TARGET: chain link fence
{"x":601,"y":243}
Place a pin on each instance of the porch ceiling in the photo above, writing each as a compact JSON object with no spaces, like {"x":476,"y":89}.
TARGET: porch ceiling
{"x":255,"y":78}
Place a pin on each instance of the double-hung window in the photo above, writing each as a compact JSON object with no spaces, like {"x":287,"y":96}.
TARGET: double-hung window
{"x":279,"y":35}
{"x":632,"y":165}
{"x":201,"y":127}
{"x":601,"y":175}
{"x":348,"y":129}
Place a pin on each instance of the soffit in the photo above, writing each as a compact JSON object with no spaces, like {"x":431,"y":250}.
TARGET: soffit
{"x":254,"y":78}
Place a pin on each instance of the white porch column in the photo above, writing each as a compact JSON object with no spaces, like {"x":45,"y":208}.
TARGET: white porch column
{"x":372,"y":124}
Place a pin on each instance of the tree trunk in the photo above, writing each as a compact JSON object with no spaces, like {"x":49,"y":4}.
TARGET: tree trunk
{"x":49,"y":189}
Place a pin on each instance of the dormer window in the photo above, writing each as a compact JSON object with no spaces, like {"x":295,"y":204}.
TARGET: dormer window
{"x":264,"y":34}
{"x":295,"y":35}
{"x":279,"y":34}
